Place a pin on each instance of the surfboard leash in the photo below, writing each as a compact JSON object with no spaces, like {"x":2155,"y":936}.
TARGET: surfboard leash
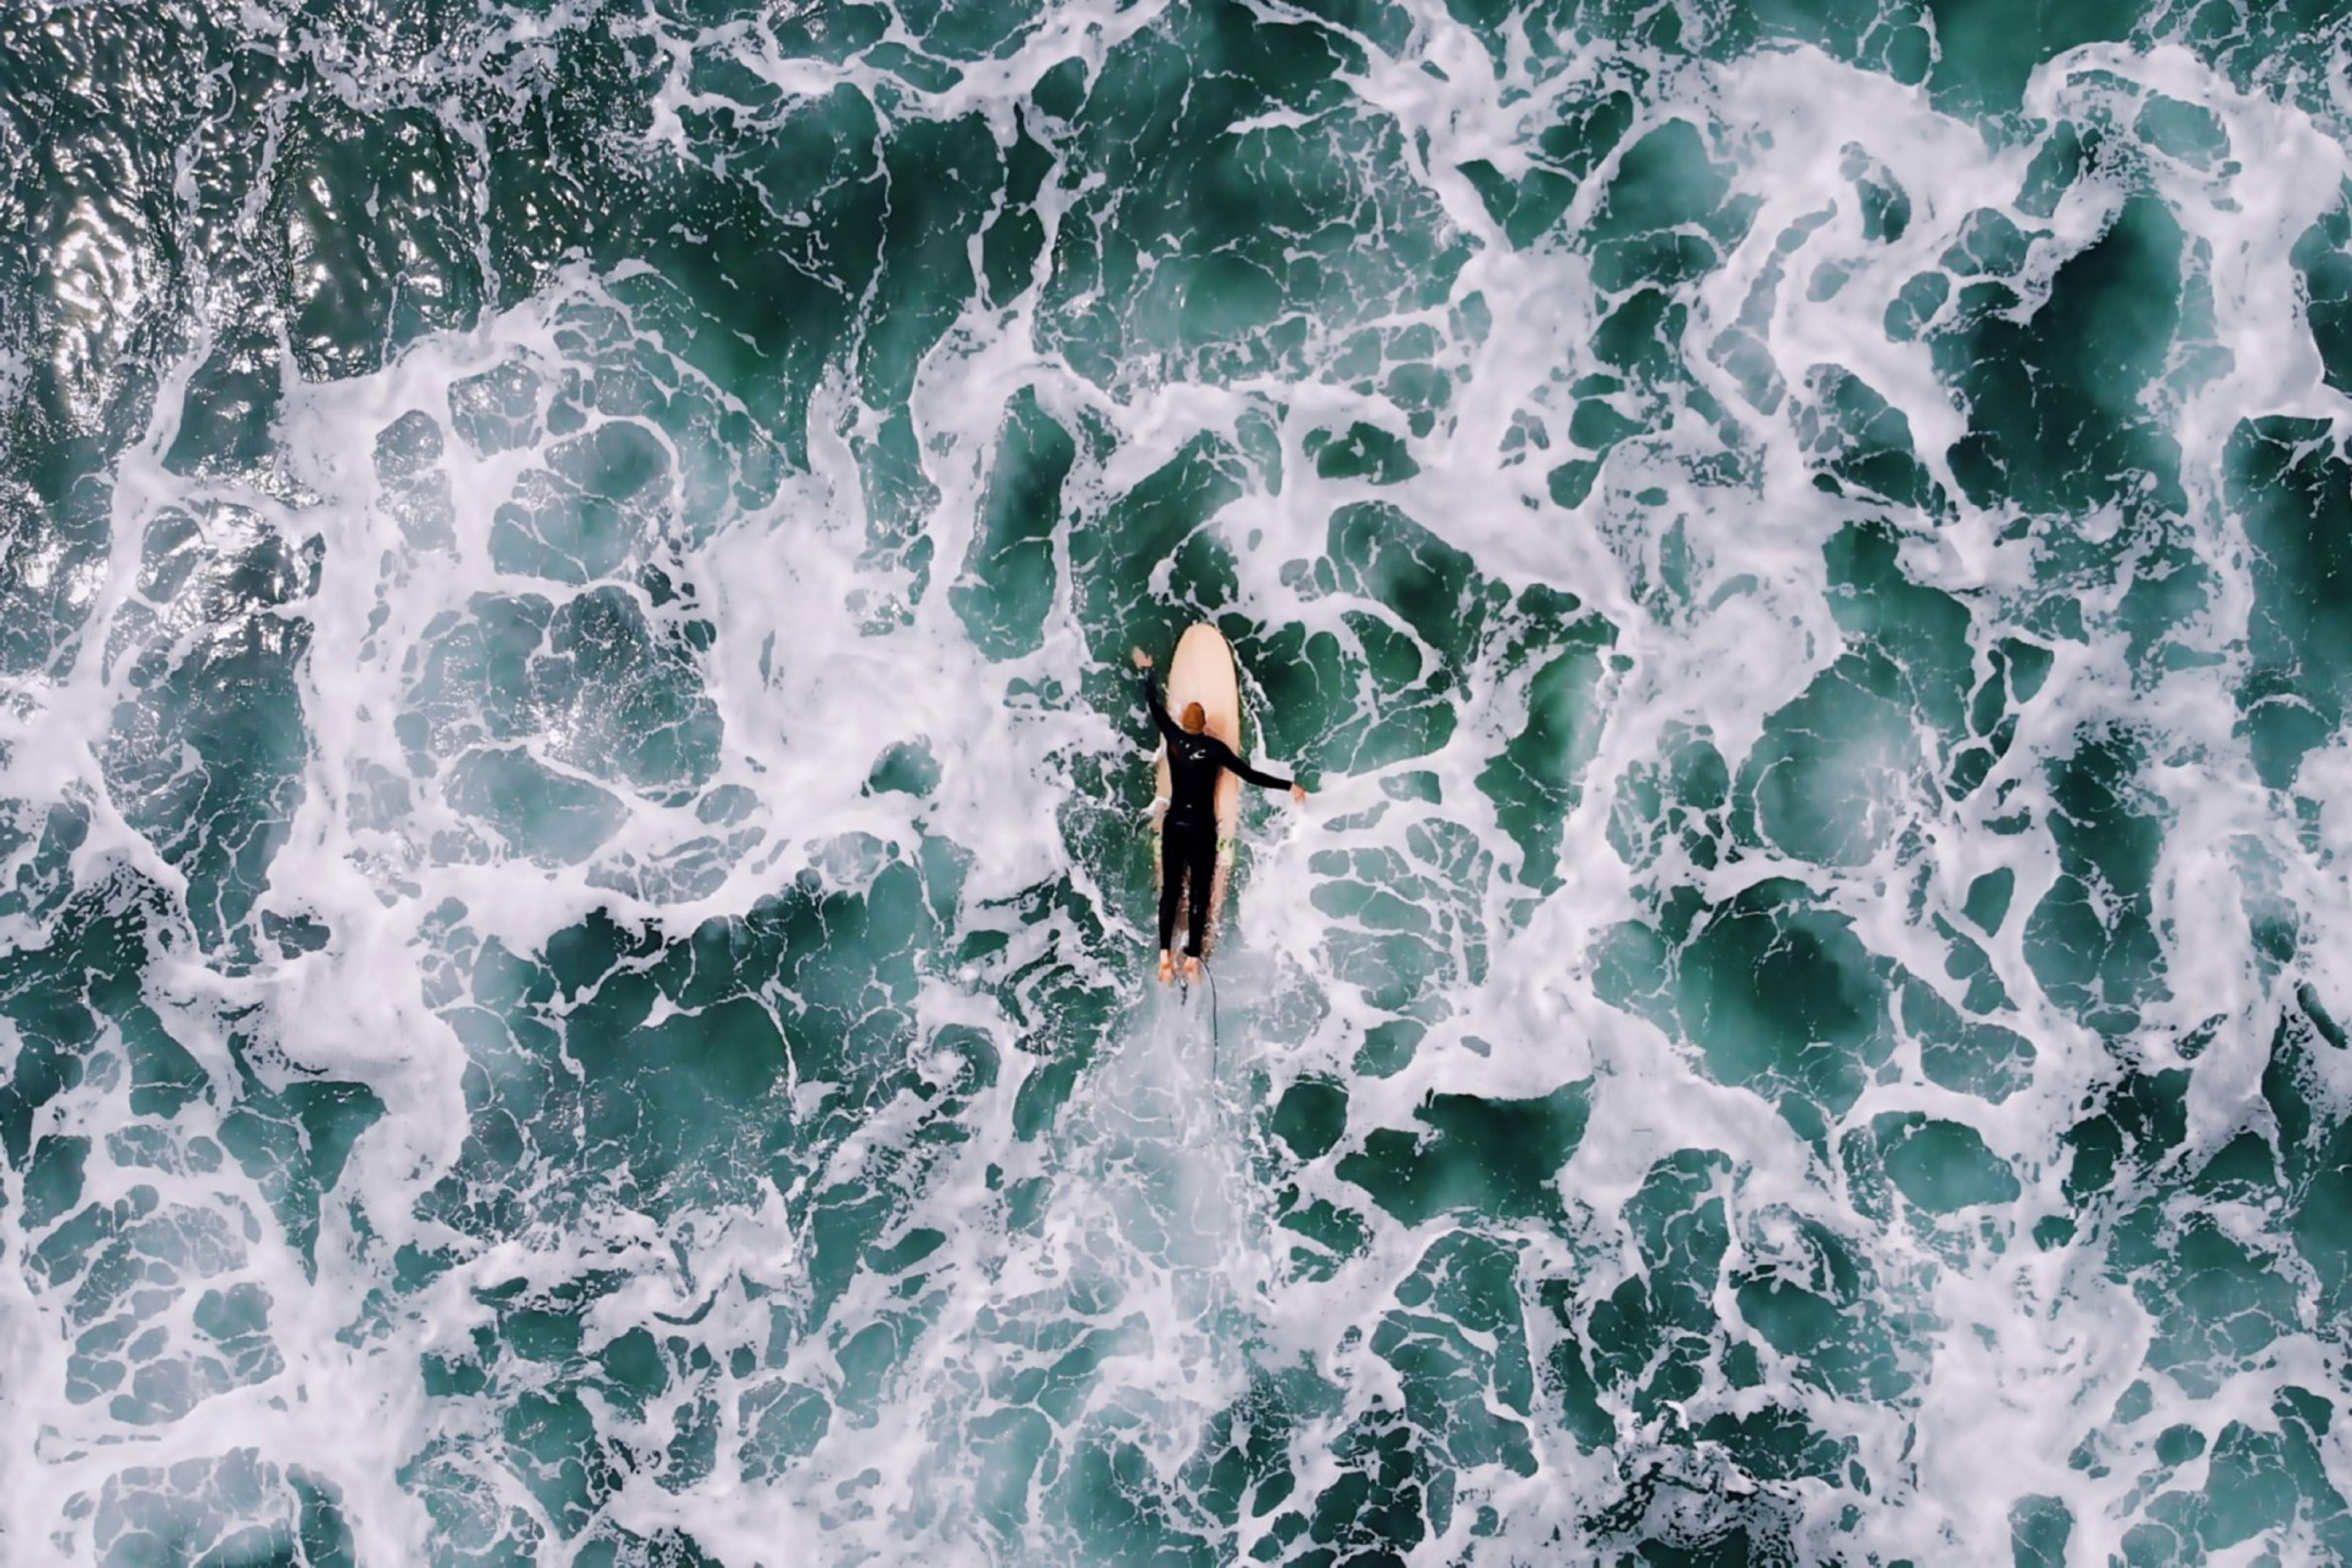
{"x":1211,"y":974}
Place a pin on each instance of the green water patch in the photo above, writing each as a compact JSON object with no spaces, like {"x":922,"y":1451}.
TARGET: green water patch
{"x":1838,"y":772}
{"x":579,"y":1098}
{"x":94,"y":281}
{"x":1885,"y":205}
{"x":1068,"y":1016}
{"x":2324,"y":257}
{"x":1986,"y":54}
{"x":1572,"y":147}
{"x":98,"y":1033}
{"x":496,"y":411}
{"x":1776,"y":992}
{"x":1311,"y":1117}
{"x":1407,"y":927}
{"x":939,"y":177}
{"x":1458,"y":1342}
{"x":1495,"y":1158}
{"x":1651,"y":1340}
{"x":1437,"y":606}
{"x":2219,"y":1296}
{"x":1326,"y":1236}
{"x":1895,"y":40}
{"x":1741,"y":350}
{"x":1668,"y":217}
{"x":2039,"y":1528}
{"x":1435,"y":628}
{"x":205,"y":750}
{"x":2219,"y":1302}
{"x":2133,"y":1126}
{"x":1537,"y":779}
{"x":36,"y":848}
{"x":586,"y":515}
{"x":791,"y":237}
{"x":1249,"y":207}
{"x":905,"y":767}
{"x":1987,"y":899}
{"x":1939,"y":1167}
{"x":471,"y":1520}
{"x":668,"y":449}
{"x":1989,"y":244}
{"x":1672,"y":802}
{"x":2056,"y":418}
{"x":1008,"y":1445}
{"x":1109,"y":1510}
{"x":545,"y":817}
{"x":1910,"y":313}
{"x":1361,"y":452}
{"x":626,"y":694}
{"x":2260,"y":1481}
{"x":1965,"y":1054}
{"x":1386,"y":1499}
{"x":2313,"y":1153}
{"x":120,"y":1268}
{"x":557,"y":162}
{"x":1965,"y":960}
{"x":1901,"y":713}
{"x":1778,"y":1443}
{"x":1415,"y":369}
{"x":227,"y":1508}
{"x":53,"y":1178}
{"x":293,"y":1141}
{"x":1828,"y":1316}
{"x":470,"y":678}
{"x":1243,"y":1468}
{"x":1161,"y":518}
{"x":2294,"y":494}
{"x":1307,"y":1123}
{"x":413,"y":486}
{"x":1860,"y":445}
{"x":2091,"y":939}
{"x":1007,"y":585}
{"x":619,"y":690}
{"x":1666,"y":221}
{"x":577,"y":1095}
{"x":546,"y":1433}
{"x":1641,"y":341}
{"x":147,"y":1287}
{"x":375,"y":219}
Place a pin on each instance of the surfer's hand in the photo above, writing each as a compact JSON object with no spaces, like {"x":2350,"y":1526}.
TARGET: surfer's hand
{"x":1142,"y":659}
{"x":1298,"y":793}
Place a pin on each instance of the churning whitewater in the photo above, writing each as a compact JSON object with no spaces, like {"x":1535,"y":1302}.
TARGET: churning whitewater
{"x":576,"y":947}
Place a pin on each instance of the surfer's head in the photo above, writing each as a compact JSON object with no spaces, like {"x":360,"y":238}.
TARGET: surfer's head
{"x":1195,"y":720}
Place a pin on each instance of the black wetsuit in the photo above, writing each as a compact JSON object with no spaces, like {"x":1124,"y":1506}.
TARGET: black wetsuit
{"x":1188,"y":833}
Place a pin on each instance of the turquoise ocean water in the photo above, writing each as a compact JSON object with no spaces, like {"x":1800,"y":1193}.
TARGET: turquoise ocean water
{"x":572,"y":914}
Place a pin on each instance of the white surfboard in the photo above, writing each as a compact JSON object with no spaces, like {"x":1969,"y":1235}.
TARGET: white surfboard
{"x":1203,"y":671}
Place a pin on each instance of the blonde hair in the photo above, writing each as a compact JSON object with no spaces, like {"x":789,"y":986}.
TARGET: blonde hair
{"x":1196,"y":718}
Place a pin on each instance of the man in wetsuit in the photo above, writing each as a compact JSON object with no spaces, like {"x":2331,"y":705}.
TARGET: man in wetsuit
{"x":1188,"y":832}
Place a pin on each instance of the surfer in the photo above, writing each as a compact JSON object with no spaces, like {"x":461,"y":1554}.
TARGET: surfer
{"x":1188,"y":832}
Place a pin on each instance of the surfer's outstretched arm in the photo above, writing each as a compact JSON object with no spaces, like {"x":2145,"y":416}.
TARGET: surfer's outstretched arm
{"x":1263,"y":780}
{"x":1168,"y":726}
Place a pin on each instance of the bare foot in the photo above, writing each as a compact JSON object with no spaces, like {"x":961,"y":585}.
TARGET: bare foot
{"x":1192,"y":971}
{"x":1167,"y":969}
